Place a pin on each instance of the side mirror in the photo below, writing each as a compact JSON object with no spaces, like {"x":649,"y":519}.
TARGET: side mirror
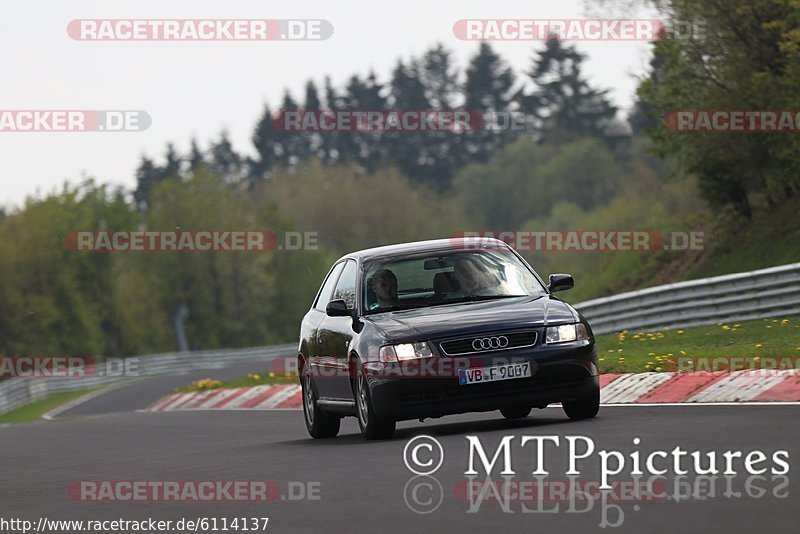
{"x":338,"y":308}
{"x":561,"y":282}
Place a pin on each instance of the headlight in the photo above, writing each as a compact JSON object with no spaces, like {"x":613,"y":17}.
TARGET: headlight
{"x":566,"y":332}
{"x":405,"y":351}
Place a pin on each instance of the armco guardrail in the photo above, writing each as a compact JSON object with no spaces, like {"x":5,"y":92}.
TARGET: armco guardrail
{"x":772,"y":292}
{"x":16,"y":392}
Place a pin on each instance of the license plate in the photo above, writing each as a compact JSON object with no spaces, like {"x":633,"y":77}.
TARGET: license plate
{"x":479,"y":375}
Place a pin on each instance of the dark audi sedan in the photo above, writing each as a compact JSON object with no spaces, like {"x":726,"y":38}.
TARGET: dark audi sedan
{"x":441,"y":327}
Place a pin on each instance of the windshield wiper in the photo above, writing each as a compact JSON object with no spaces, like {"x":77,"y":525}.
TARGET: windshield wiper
{"x":478,"y":298}
{"x":392,"y":308}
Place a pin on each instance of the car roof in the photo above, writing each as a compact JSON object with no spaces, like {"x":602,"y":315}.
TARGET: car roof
{"x":434,"y":245}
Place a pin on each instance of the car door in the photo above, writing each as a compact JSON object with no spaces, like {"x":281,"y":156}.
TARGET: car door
{"x":312,"y":323}
{"x":334,"y":338}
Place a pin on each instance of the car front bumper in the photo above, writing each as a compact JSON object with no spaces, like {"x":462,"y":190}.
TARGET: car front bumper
{"x":560,"y":374}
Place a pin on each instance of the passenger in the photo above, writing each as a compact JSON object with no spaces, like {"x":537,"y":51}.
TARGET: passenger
{"x":473,"y":280}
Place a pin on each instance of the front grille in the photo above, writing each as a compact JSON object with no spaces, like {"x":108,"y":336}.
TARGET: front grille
{"x":488,"y":343}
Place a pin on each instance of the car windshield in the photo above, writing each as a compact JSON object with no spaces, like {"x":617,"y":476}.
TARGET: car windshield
{"x":446,"y":278}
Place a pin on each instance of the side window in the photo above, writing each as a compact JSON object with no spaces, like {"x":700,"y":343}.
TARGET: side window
{"x":327,"y":288}
{"x":346,"y":288}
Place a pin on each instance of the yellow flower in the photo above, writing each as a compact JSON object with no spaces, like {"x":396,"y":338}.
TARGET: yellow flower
{"x":256,"y":377}
{"x":726,"y":327}
{"x":658,"y":368}
{"x":758,"y":345}
{"x":271,"y":374}
{"x":679,"y":332}
{"x":757,"y":358}
{"x":737,"y":325}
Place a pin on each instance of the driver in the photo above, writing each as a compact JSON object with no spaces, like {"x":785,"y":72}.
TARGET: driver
{"x":384,"y":284}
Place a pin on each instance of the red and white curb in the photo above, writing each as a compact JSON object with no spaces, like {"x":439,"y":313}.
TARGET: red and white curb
{"x":763,"y":385}
{"x":759,"y":385}
{"x":280,"y":397}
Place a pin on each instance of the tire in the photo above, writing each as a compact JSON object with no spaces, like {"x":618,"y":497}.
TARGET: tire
{"x":371,"y":427}
{"x":585,"y":407}
{"x":516,"y":412}
{"x":318,"y":423}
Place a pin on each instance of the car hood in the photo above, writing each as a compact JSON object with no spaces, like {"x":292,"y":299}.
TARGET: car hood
{"x":472,"y":317}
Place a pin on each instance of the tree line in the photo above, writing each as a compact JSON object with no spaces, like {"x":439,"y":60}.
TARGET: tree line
{"x":554,"y":94}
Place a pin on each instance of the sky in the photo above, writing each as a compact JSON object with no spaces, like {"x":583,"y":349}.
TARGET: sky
{"x":200,"y":88}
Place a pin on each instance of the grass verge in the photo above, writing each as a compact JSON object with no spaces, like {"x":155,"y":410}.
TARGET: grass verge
{"x":35,"y":410}
{"x":756,"y":342}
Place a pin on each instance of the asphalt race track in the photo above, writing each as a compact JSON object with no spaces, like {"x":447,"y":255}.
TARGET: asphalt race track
{"x":139,"y":394}
{"x":366,"y":487}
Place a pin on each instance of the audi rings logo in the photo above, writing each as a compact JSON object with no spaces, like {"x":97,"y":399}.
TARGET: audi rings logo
{"x":489,"y":343}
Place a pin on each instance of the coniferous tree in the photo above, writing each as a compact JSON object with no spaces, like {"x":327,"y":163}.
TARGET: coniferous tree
{"x":196,"y":158}
{"x":146,"y":178}
{"x":488,"y":91}
{"x":225,"y":161}
{"x":563,"y":100}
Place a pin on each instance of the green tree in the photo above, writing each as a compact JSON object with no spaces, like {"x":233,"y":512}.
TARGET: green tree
{"x":748,"y":59}
{"x":525,"y":179}
{"x":56,"y":301}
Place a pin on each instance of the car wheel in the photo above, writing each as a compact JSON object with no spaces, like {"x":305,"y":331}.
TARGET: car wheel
{"x":318,"y":423}
{"x":515,"y":412}
{"x":583,"y":407}
{"x":371,"y":426}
